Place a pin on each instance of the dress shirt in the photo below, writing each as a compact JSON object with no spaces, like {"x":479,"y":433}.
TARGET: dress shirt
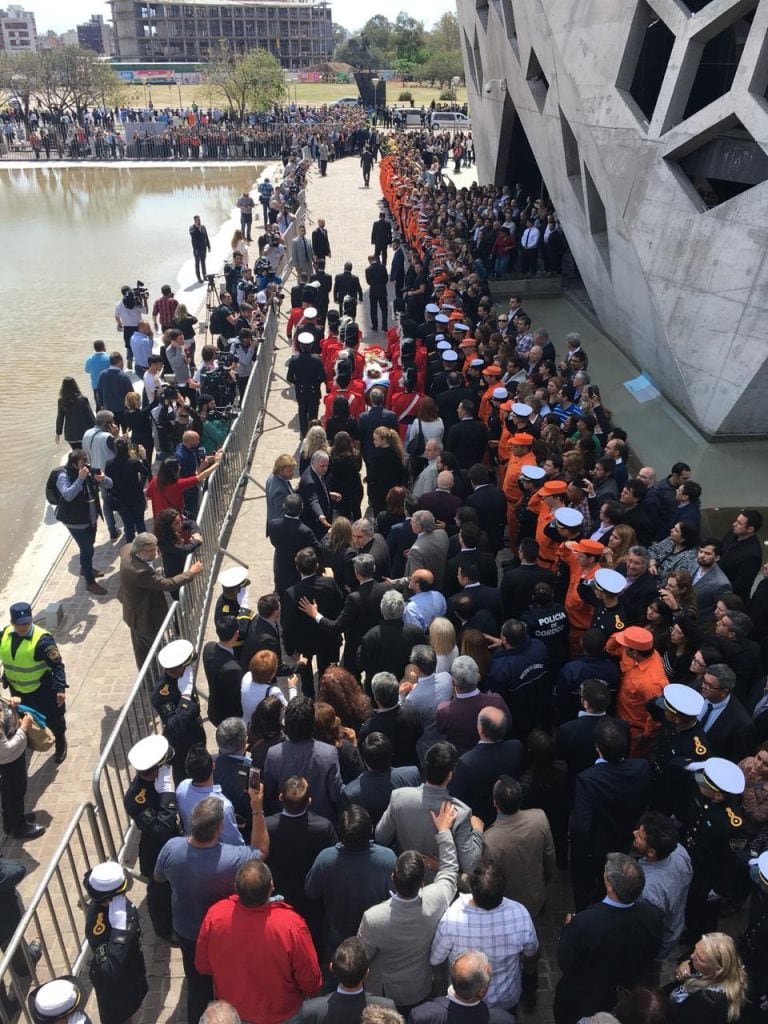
{"x":712,"y":712}
{"x":423,"y":608}
{"x":187,"y":798}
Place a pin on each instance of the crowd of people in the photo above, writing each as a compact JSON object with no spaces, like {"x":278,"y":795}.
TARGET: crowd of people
{"x":494,"y":648}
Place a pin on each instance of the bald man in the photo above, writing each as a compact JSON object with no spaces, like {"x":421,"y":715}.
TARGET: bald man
{"x":441,"y":502}
{"x":470,"y":979}
{"x":653,"y":503}
{"x":478,"y":769}
{"x":426,"y":603}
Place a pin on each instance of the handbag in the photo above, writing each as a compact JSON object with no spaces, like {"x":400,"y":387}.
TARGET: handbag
{"x":39,"y":736}
{"x":417,"y":444}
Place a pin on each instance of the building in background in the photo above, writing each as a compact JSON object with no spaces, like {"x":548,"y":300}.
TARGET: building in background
{"x":648,"y":123}
{"x":298,"y":33}
{"x":18,"y":33}
{"x":95,"y":35}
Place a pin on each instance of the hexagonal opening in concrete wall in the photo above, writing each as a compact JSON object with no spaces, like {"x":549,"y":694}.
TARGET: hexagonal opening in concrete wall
{"x":721,"y":163}
{"x":645,"y":62}
{"x":537,"y":81}
{"x":719,"y":59}
{"x":481,"y":6}
{"x":474,"y":61}
{"x":572,"y":157}
{"x":598,"y":222}
{"x":508,"y":18}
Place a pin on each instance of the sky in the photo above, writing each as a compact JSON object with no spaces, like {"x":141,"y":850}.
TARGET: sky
{"x":352,"y":14}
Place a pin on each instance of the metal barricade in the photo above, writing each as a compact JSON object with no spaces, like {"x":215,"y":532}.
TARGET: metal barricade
{"x":112,"y":775}
{"x":53,"y":917}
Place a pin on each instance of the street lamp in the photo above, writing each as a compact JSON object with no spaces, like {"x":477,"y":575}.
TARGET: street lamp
{"x":375,"y":83}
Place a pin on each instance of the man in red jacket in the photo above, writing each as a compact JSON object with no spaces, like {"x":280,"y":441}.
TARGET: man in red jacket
{"x":259,"y":951}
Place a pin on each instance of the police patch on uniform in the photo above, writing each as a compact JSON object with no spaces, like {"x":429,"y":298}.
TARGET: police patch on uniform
{"x":53,"y":653}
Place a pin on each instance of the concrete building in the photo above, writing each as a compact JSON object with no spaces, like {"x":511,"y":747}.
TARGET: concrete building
{"x":95,"y":35}
{"x":297,"y":32}
{"x":648,"y":120}
{"x":18,"y":32}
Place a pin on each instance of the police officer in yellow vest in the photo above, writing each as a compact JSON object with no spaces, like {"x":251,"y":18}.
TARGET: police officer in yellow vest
{"x":34,"y":671}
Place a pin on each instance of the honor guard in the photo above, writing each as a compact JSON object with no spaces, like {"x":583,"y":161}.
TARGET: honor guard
{"x":715,"y":839}
{"x":233,"y":600}
{"x":34,"y":671}
{"x":150,"y":801}
{"x":530,"y":479}
{"x":680,"y":742}
{"x":609,"y":614}
{"x":61,"y":1001}
{"x":113,"y":932}
{"x":176,"y":702}
{"x":306,"y":373}
{"x":753,"y":944}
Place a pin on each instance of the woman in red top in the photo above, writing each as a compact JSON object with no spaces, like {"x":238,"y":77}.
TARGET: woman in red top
{"x":166,"y":490}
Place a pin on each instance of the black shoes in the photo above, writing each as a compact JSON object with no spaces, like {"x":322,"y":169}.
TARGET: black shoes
{"x":28,"y":831}
{"x":61,"y":752}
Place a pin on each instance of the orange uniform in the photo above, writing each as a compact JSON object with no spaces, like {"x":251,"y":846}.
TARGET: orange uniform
{"x":641,"y":681}
{"x":578,"y":611}
{"x":512,"y":491}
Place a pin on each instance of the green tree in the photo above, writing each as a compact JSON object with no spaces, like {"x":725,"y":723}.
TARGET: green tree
{"x":409,"y":40}
{"x":379,"y":34}
{"x":72,"y":79}
{"x":443,"y":65}
{"x":252,"y":81}
{"x":445,"y":34}
{"x":20,"y":78}
{"x":340,"y":34}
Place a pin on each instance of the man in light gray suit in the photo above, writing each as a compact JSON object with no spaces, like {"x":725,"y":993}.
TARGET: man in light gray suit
{"x":397,"y":934}
{"x":709,"y":581}
{"x":430,"y":549}
{"x":301,"y":253}
{"x":405,"y":824}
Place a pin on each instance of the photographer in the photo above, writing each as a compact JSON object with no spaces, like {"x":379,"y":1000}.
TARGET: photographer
{"x":244,"y":351}
{"x":80,"y":510}
{"x":216,"y":376}
{"x":223,"y":318}
{"x":128,"y":316}
{"x":215,"y":423}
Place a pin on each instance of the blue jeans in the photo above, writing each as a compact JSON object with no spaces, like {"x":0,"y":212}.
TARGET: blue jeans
{"x":109,"y":512}
{"x":501,"y":265}
{"x":133,"y":521}
{"x":85,"y":538}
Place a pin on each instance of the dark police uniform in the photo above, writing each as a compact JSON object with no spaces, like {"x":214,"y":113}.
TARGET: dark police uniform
{"x":156,"y":816}
{"x":609,"y":620}
{"x":753,"y":950}
{"x":672,"y":787}
{"x":117,"y":970}
{"x":182,"y":724}
{"x":53,"y":679}
{"x":226,"y":605}
{"x":716,"y":840}
{"x":306,"y":373}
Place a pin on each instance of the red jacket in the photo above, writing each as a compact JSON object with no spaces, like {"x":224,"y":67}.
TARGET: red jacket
{"x":262,"y":959}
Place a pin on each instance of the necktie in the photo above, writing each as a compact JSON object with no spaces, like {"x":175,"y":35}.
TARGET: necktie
{"x":306,"y":250}
{"x":525,"y":238}
{"x":705,"y":718}
{"x":761,"y":705}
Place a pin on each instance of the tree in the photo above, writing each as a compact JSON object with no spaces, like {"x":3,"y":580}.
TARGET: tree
{"x":443,"y":65}
{"x":408,"y":38}
{"x":445,"y":34}
{"x":378,"y":32}
{"x":340,"y":34}
{"x":71,"y":79}
{"x":253,"y":81}
{"x":20,"y":78}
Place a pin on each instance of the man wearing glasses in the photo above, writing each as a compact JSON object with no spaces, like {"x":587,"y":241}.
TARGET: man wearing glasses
{"x":728,"y":727}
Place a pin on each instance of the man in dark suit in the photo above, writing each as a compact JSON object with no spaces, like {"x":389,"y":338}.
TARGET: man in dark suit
{"x":608,"y":946}
{"x":305,"y":637}
{"x":288,"y":536}
{"x":737,"y":651}
{"x":488,"y":574}
{"x":641,"y":585}
{"x":347,"y":284}
{"x":448,"y":401}
{"x":381,"y":237}
{"x":742,"y":552}
{"x":367,"y":542}
{"x":376,"y":278}
{"x":608,"y":799}
{"x":397,"y":272}
{"x":321,"y":247}
{"x":441,"y":502}
{"x":346,"y":1003}
{"x":376,"y":416}
{"x":729,"y":728}
{"x":360,"y":613}
{"x":456,"y":719}
{"x":386,"y":647}
{"x":296,"y":836}
{"x":576,"y":739}
{"x":470,"y":981}
{"x":491,"y":506}
{"x":516,"y":587}
{"x":399,"y":723}
{"x":631,"y":500}
{"x":467,"y":439}
{"x":401,"y":538}
{"x":231,"y":767}
{"x":373,"y":787}
{"x":318,"y":510}
{"x":484,"y":598}
{"x":223,"y":672}
{"x":478,"y":769}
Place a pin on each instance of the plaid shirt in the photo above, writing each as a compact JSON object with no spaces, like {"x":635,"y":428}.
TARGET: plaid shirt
{"x":503,"y":934}
{"x":164,"y":309}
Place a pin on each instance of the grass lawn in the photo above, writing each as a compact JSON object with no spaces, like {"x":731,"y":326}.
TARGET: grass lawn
{"x":303,"y":93}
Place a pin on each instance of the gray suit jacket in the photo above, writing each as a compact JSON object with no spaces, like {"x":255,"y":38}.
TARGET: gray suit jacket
{"x":407,"y":825}
{"x":314,"y":761}
{"x":397,"y":935}
{"x":429,"y":552}
{"x":709,"y":589}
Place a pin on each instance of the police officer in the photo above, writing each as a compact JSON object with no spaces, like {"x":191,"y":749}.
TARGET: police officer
{"x":306,"y":373}
{"x":113,"y":932}
{"x":530,"y":479}
{"x":716,"y":841}
{"x":33,"y":669}
{"x":680,"y":742}
{"x":753,"y":945}
{"x":150,"y":801}
{"x":609,"y":614}
{"x":308,"y":325}
{"x":233,"y":600}
{"x":176,"y":702}
{"x":61,"y":1001}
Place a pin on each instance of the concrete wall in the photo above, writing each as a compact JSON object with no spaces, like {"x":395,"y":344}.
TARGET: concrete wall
{"x":682,"y":287}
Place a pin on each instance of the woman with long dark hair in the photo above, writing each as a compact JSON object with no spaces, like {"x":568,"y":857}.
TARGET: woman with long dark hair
{"x":74,"y":414}
{"x":176,"y":538}
{"x":394,"y":513}
{"x":129,"y":474}
{"x":337,"y":552}
{"x":166,"y":489}
{"x":344,"y":475}
{"x":341,"y":690}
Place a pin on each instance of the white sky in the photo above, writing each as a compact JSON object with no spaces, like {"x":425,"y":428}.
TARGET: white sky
{"x":352,"y":14}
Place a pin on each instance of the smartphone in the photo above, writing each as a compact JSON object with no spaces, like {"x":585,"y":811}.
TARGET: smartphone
{"x":254,"y":778}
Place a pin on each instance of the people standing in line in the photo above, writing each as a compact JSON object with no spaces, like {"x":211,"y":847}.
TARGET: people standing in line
{"x":94,"y":364}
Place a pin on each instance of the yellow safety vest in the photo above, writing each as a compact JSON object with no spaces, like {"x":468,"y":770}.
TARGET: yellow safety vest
{"x":22,"y":670}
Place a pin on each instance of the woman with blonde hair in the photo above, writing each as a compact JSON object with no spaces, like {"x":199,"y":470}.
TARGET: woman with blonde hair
{"x":474,"y":645}
{"x":278,"y":485}
{"x":238,"y":244}
{"x":386,"y":468}
{"x":316,"y":440}
{"x":622,"y":538}
{"x":711,"y":985}
{"x":442,"y":638}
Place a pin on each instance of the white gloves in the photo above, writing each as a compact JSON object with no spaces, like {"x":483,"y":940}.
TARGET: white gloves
{"x":118,"y":913}
{"x":186,"y":683}
{"x":164,"y":780}
{"x":242,"y":597}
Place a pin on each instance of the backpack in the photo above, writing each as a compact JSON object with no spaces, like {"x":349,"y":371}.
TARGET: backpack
{"x":52,"y":495}
{"x":217,"y":321}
